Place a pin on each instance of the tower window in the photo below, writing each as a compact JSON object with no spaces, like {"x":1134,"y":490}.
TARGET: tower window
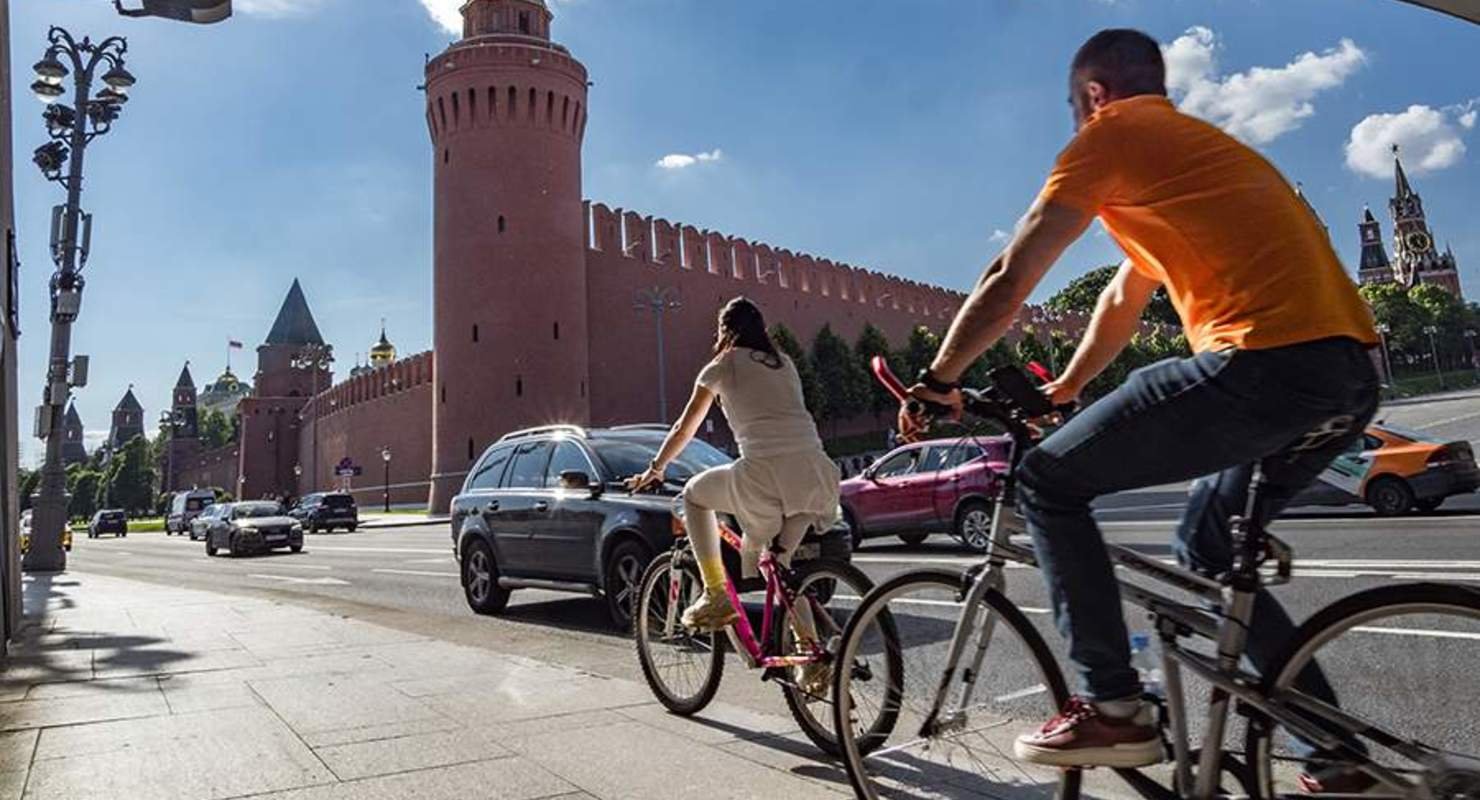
{"x":557,"y":331}
{"x":583,"y":388}
{"x":456,"y":115}
{"x":475,"y":332}
{"x":513,"y":102}
{"x":519,"y":386}
{"x":444,"y":394}
{"x":503,"y":224}
{"x":524,"y":22}
{"x":470,"y":449}
{"x":446,"y":155}
{"x":534,"y":97}
{"x":493,"y":102}
{"x":549,"y":107}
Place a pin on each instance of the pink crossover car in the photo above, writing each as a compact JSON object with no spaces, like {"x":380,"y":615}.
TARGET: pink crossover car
{"x":939,"y":486}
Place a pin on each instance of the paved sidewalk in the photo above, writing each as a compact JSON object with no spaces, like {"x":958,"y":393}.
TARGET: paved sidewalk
{"x":373,"y":520}
{"x":124,"y":690}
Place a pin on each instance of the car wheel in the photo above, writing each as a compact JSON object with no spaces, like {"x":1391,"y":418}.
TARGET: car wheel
{"x":480,"y":579}
{"x":855,"y":534}
{"x":623,"y":580}
{"x":210,"y":547}
{"x":297,"y":548}
{"x":974,"y":525}
{"x":1429,"y":505}
{"x":235,"y":546}
{"x":352,"y":528}
{"x":1389,"y":496}
{"x":913,"y":539}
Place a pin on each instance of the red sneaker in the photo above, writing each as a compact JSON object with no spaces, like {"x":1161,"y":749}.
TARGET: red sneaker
{"x":1080,"y":736}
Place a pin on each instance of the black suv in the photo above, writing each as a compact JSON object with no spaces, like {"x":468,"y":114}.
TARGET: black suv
{"x":109,"y":520}
{"x":325,"y":511}
{"x":544,"y":508}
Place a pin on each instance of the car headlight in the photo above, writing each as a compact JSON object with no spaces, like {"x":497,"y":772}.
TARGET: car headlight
{"x":296,"y":527}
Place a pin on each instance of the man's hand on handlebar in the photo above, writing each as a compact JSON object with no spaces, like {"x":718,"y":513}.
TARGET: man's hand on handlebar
{"x":1061,"y":393}
{"x":922,"y":407}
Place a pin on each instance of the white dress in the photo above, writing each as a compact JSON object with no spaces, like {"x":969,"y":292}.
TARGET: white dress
{"x":783,"y":474}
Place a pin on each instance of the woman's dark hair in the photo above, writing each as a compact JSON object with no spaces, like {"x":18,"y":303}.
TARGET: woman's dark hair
{"x":741,"y":324}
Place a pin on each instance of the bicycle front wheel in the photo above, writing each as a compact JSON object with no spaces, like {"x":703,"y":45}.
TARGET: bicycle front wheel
{"x":682,"y":667}
{"x":962,"y":746}
{"x":1400,"y":662}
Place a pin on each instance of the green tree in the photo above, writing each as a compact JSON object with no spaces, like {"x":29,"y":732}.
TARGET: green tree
{"x":842,"y":391}
{"x":129,"y":480}
{"x":1403,"y":318}
{"x":1081,"y":294}
{"x":216,"y":430}
{"x":872,"y":342}
{"x":786,"y":342}
{"x":82,"y":484}
{"x":27,"y":482}
{"x":918,"y":351}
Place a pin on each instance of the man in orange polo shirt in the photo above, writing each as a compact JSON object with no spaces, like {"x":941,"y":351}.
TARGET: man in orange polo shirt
{"x":1279,"y":376}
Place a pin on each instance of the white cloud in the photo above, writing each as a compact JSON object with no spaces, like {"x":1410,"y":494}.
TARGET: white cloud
{"x":446,"y":13}
{"x":1428,"y":138}
{"x":277,"y":8}
{"x":1262,"y":103}
{"x":1000,"y":235}
{"x":676,"y":161}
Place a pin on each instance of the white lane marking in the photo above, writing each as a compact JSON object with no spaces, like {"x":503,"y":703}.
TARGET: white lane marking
{"x":1020,"y":694}
{"x":1419,"y":632}
{"x":417,"y":550}
{"x":1450,"y":421}
{"x":302,"y":566}
{"x":942,"y":603}
{"x":442,"y":560}
{"x":424,"y":573}
{"x":325,"y":581}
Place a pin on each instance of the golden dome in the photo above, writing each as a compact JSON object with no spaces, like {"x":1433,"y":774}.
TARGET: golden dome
{"x":382,"y":352}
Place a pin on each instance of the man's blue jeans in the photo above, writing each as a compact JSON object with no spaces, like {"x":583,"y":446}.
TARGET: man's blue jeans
{"x":1291,"y":409}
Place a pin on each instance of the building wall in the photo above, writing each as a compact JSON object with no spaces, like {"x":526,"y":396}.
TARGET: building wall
{"x":630,"y":252}
{"x":206,"y":469}
{"x":269,"y":446}
{"x":10,"y":573}
{"x":390,"y":407}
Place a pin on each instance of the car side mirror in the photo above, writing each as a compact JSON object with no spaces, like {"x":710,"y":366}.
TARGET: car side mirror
{"x":575,"y":479}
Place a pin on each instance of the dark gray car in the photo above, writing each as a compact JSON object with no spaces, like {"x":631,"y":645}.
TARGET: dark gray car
{"x":252,"y":527}
{"x":544,"y":508}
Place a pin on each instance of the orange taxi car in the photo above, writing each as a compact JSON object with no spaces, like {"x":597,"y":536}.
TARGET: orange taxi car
{"x":1395,"y":471}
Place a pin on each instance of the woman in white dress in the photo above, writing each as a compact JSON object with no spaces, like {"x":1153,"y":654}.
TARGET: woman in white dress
{"x":783,"y":483}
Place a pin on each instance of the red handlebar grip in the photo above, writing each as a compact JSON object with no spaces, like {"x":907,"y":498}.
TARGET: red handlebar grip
{"x":1040,"y":371}
{"x":886,"y":377}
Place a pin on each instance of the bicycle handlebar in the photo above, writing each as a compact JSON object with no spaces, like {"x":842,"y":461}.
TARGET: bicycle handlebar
{"x":1011,"y":398}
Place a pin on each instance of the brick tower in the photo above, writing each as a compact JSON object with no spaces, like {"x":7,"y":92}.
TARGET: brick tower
{"x":506,"y":109}
{"x":184,"y":441}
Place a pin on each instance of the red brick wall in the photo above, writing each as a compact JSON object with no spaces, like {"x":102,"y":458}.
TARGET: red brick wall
{"x":209,"y":469}
{"x":389,"y":407}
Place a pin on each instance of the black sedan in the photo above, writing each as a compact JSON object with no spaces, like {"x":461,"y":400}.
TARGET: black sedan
{"x":252,"y":527}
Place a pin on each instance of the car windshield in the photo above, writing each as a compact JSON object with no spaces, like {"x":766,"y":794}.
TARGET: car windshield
{"x":249,"y":510}
{"x":196,"y":504}
{"x":339,"y":501}
{"x":629,"y":454}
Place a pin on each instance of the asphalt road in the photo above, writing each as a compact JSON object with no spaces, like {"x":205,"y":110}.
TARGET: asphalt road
{"x":407,"y":578}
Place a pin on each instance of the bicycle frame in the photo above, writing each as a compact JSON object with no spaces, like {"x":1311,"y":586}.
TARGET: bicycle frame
{"x":1323,"y":725}
{"x":741,"y":634}
{"x":1327,"y":727}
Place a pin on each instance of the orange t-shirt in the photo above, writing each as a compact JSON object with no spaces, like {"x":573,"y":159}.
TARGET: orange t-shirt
{"x":1246,"y":263}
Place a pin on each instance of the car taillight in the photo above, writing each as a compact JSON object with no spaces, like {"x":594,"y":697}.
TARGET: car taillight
{"x":1454,"y":454}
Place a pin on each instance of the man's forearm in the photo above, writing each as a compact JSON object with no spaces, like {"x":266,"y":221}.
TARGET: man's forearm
{"x":994,"y":303}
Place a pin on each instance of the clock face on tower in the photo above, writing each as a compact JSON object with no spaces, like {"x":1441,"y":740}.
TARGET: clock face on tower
{"x":1418,"y":241}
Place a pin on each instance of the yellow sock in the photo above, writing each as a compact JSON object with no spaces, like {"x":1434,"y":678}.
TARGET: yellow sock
{"x":713,"y":572}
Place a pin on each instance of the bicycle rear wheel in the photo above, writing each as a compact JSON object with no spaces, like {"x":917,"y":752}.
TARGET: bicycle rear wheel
{"x":683,"y":668}
{"x":832,"y":591}
{"x":970,"y":752}
{"x":1400,"y":659}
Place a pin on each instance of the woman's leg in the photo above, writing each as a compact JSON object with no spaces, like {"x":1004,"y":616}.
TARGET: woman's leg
{"x":705,"y":494}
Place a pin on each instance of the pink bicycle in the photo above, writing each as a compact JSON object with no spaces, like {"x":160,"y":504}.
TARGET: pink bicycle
{"x":805,"y":610}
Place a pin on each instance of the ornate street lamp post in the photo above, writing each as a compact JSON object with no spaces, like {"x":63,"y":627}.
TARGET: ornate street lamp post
{"x":659,"y":301}
{"x":385,"y":457}
{"x":316,"y":358}
{"x":1433,"y":332}
{"x":71,"y":129}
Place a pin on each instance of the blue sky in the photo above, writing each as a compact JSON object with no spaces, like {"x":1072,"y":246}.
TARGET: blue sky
{"x":290,"y":142}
